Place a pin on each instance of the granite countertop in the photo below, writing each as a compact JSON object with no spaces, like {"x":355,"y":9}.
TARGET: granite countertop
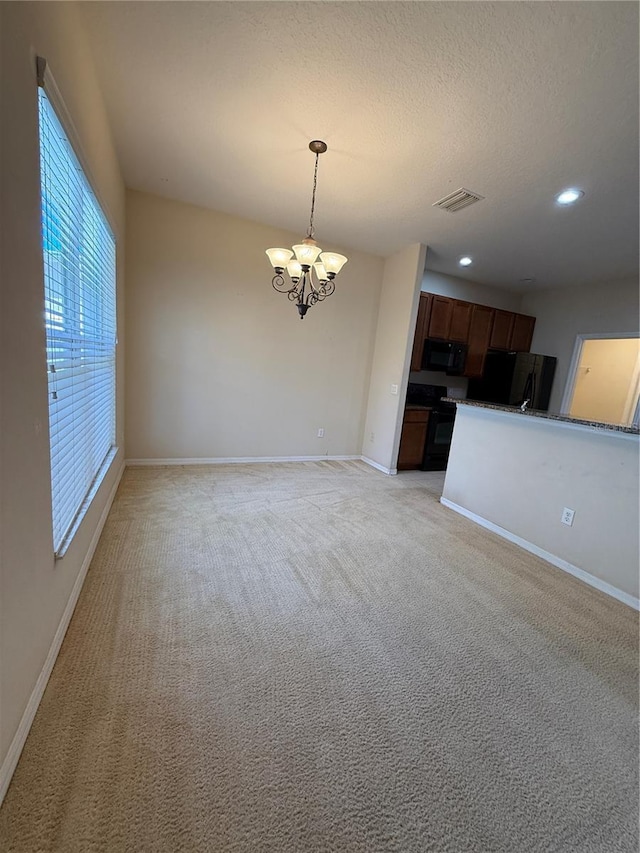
{"x":598,"y":425}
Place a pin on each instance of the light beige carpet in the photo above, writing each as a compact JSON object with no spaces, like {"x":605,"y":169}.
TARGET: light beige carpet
{"x":316,"y":657}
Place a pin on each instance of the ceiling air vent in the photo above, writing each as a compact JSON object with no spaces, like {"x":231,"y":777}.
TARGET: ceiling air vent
{"x":457,"y":200}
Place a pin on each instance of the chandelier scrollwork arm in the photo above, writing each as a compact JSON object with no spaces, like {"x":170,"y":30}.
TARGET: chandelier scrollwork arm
{"x":326,"y":289}
{"x":280,"y":284}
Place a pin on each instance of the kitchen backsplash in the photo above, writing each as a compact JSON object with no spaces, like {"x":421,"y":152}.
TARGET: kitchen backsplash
{"x":436,"y":377}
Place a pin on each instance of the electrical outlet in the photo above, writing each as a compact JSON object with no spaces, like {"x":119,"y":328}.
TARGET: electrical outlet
{"x":394,"y":389}
{"x":320,"y":433}
{"x":372,"y":437}
{"x":567,"y":516}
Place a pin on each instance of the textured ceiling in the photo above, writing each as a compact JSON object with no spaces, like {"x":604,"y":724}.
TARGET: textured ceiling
{"x":214,"y":103}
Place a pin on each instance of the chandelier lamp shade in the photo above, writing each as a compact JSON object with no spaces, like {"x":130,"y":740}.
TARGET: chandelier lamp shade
{"x":310,"y":272}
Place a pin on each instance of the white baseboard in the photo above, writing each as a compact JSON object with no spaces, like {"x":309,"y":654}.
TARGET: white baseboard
{"x":378,"y":467}
{"x":590,"y":579}
{"x":232,"y":460}
{"x":17,"y":744}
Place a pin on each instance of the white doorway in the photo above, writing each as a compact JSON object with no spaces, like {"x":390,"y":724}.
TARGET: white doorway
{"x":604,"y":379}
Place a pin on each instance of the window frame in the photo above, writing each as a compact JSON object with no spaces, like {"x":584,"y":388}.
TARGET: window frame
{"x":46,"y":81}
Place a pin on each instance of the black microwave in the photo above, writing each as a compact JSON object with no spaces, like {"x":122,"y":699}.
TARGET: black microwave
{"x":444,"y":355}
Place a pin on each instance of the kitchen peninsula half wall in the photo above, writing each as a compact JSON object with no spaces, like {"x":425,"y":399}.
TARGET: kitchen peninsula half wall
{"x":516,"y":473}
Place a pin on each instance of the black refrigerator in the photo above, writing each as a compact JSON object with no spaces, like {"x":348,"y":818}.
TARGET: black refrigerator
{"x":511,"y":378}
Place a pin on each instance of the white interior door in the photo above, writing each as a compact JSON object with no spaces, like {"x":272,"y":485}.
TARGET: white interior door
{"x":604,"y":384}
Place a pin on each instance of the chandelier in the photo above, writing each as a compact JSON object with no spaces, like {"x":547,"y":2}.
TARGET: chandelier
{"x":312,"y":273}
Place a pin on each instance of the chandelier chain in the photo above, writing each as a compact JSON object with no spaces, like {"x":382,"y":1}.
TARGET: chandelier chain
{"x":313,"y":197}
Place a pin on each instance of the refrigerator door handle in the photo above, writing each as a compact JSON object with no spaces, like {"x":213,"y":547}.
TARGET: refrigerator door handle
{"x":534,"y":400}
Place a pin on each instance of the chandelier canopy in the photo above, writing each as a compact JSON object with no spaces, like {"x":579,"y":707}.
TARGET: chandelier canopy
{"x":312,"y":273}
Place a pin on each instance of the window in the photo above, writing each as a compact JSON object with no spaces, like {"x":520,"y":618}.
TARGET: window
{"x":80,"y":321}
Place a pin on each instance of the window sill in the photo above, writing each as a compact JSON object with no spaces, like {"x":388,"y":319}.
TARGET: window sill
{"x":86,"y":504}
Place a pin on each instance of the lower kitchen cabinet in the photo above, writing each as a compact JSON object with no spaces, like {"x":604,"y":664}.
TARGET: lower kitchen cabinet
{"x":413,"y":438}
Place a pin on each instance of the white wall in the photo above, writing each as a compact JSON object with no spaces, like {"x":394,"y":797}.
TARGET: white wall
{"x":219,"y":365}
{"x":470,"y":291}
{"x":391,"y":359}
{"x":520,"y":471}
{"x":564,"y":313}
{"x":34,"y":588}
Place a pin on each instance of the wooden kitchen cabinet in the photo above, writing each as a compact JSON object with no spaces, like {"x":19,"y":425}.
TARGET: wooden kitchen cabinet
{"x":502,"y":329}
{"x":440,"y":317}
{"x":479,"y":326}
{"x":413,"y":439}
{"x":479,"y":337}
{"x":449,"y":319}
{"x":460,"y":321}
{"x":421,"y":332}
{"x":512,"y":331}
{"x":522,"y":333}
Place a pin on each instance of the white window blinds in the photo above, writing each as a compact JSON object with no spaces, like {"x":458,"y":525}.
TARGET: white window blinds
{"x":80,"y":320}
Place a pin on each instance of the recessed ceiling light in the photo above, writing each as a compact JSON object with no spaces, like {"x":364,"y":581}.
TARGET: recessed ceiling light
{"x":569,"y":196}
{"x":465,"y":261}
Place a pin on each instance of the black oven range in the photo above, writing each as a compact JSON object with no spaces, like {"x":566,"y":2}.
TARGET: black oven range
{"x":440,"y":428}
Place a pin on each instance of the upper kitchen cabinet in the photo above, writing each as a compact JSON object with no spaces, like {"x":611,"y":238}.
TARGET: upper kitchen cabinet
{"x":479,"y":336}
{"x":502,"y":330}
{"x":522,"y":333}
{"x":439,"y":322}
{"x":421,"y":330}
{"x":460,"y":321}
{"x":449,"y":319}
{"x":479,"y":326}
{"x":512,"y":331}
